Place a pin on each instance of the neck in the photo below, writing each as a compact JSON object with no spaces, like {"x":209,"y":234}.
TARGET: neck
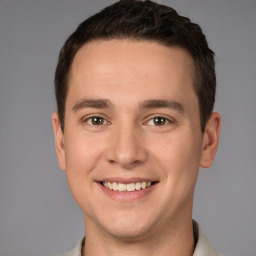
{"x":176,"y":240}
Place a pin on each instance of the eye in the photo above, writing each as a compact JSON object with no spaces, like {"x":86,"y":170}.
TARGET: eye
{"x":96,"y":120}
{"x":158,"y":121}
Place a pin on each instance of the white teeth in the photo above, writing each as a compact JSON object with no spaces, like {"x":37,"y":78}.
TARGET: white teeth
{"x":138,"y":185}
{"x":120,"y":187}
{"x":110,"y":185}
{"x":115,"y":187}
{"x":130,"y":187}
{"x":127,"y":187}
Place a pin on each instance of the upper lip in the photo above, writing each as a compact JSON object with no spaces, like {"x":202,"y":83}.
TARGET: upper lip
{"x":127,"y":180}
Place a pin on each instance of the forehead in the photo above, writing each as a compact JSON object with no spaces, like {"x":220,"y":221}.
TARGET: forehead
{"x":123,"y":65}
{"x":126,"y":51}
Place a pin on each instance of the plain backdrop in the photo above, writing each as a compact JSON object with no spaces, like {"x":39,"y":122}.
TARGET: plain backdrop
{"x":38,"y":216}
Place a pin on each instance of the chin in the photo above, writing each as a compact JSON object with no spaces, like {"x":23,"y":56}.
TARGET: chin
{"x":128,"y":234}
{"x":129,"y":227}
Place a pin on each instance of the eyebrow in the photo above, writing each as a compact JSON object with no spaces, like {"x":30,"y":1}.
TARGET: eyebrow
{"x":92,"y":103}
{"x":149,"y":104}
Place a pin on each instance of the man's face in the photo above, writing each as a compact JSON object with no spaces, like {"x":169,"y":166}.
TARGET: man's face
{"x":132,"y":144}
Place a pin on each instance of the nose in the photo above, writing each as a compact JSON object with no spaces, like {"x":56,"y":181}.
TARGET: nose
{"x":127,"y":148}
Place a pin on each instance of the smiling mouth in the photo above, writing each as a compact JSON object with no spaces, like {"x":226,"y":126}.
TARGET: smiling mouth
{"x":130,"y":187}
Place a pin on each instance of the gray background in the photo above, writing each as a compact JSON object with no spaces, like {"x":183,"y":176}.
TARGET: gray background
{"x":37,"y":213}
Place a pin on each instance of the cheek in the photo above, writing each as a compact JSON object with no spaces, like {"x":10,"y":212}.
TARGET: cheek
{"x":179,"y":156}
{"x":83,"y":153}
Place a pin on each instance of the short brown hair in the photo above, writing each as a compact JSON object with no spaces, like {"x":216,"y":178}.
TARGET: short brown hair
{"x":142,"y":20}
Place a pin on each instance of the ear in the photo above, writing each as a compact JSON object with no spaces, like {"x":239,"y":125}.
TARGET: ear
{"x":59,"y":140}
{"x":210,"y":140}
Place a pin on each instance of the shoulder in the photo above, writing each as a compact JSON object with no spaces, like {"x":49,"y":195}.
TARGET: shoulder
{"x":75,"y":251}
{"x":203,"y":246}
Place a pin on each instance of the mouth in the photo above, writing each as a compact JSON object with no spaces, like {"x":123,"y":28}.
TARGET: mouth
{"x":129,"y":187}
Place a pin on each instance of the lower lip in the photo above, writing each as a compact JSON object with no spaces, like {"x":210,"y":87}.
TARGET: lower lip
{"x":127,"y":196}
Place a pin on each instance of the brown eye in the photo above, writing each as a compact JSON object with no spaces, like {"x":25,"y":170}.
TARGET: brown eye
{"x":96,"y":120}
{"x":159,"y":121}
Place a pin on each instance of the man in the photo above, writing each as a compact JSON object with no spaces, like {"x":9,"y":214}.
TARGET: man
{"x":135,"y":88}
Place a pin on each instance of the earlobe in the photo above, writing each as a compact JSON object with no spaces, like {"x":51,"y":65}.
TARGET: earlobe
{"x":59,"y":141}
{"x":210,"y":140}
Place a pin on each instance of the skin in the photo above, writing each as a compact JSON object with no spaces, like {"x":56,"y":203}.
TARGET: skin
{"x":128,"y":145}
